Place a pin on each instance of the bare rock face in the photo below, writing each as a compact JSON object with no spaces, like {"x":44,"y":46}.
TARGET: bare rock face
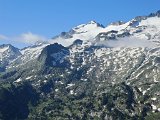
{"x":54,"y":55}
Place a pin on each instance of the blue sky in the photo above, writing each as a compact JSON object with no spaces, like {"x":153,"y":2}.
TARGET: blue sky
{"x":22,"y":19}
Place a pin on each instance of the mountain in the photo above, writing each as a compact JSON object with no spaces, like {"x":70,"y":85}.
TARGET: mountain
{"x":91,"y":72}
{"x":7,"y":54}
{"x":143,"y":27}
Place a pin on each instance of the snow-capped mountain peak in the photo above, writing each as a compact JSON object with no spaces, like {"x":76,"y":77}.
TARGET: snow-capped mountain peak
{"x":140,"y":27}
{"x":87,"y":27}
{"x":84,"y":32}
{"x":7,"y":48}
{"x":7,"y":54}
{"x":3,"y":48}
{"x":92,"y":22}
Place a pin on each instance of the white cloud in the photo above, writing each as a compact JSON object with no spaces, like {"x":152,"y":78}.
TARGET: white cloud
{"x":29,"y":38}
{"x":3,"y":37}
{"x":22,"y":40}
{"x":128,"y":42}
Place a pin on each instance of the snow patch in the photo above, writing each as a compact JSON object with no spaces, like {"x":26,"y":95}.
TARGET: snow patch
{"x":18,"y":80}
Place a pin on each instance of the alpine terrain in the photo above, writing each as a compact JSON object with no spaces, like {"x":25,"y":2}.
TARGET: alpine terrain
{"x":92,"y":72}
